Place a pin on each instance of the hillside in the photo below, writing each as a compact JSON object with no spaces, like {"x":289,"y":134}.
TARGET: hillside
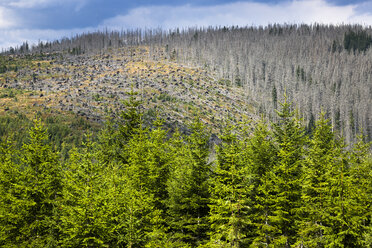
{"x":249,"y":149}
{"x":94,"y":85}
{"x":216,"y":72}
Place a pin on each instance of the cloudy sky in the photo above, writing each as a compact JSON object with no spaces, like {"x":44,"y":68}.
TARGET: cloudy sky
{"x":34,"y":20}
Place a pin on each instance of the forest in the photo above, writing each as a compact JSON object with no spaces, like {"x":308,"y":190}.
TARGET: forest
{"x":265,"y":184}
{"x":320,"y":67}
{"x":228,"y":137}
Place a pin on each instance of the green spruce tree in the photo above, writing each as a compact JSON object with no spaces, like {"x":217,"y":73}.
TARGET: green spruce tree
{"x":321,"y":158}
{"x":287,"y":175}
{"x":102,"y":206}
{"x":40,"y":186}
{"x":230,"y":191}
{"x":188,"y":189}
{"x":117,"y":132}
{"x":339,"y":201}
{"x":361,"y":191}
{"x":262,"y":156}
{"x":13,"y":208}
{"x":84,"y":205}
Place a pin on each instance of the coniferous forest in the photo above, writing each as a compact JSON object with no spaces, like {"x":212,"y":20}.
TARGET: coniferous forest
{"x":320,"y":67}
{"x":228,"y":137}
{"x":265,"y":184}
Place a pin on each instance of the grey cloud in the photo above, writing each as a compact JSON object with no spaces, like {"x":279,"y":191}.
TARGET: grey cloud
{"x":167,"y":17}
{"x":239,"y":13}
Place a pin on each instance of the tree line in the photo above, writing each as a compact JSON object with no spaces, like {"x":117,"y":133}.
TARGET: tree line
{"x":333,"y":61}
{"x":264,"y":185}
{"x":320,"y":67}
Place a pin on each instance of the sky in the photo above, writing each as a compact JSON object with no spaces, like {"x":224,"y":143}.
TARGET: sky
{"x":47,"y":20}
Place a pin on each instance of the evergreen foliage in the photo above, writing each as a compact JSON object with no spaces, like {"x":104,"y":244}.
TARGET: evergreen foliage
{"x":269,"y":186}
{"x":64,"y":131}
{"x":322,"y":157}
{"x":361,"y":192}
{"x":32,"y":188}
{"x":262,"y":155}
{"x":230,"y":193}
{"x":287,"y":175}
{"x":357,"y":41}
{"x":85,"y":200}
{"x":188,"y":189}
{"x":117,"y":132}
{"x":12,"y":207}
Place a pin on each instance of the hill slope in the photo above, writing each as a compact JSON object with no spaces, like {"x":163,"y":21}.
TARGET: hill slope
{"x":94,"y":85}
{"x":214,"y":71}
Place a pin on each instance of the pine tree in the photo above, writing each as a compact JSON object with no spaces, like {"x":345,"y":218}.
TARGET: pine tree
{"x":230,"y":193}
{"x":321,"y":158}
{"x":188,"y":189}
{"x":262,"y":156}
{"x":38,"y":188}
{"x":339,"y":201}
{"x":360,"y":193}
{"x":117,"y":132}
{"x":12,"y":206}
{"x":84,"y":205}
{"x":160,"y":158}
{"x":287,"y":173}
{"x":148,"y":161}
{"x":102,"y":206}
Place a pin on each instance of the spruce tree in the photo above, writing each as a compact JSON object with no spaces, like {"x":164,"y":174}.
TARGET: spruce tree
{"x":102,"y":206}
{"x":361,"y":176}
{"x":336,"y":209}
{"x":83,"y":209}
{"x":148,"y":161}
{"x":359,"y":193}
{"x":13,"y":207}
{"x":321,"y":159}
{"x":188,"y":189}
{"x":338,"y":229}
{"x":287,"y":174}
{"x":147,"y":167}
{"x":143,"y":157}
{"x":130,"y":118}
{"x":160,"y":158}
{"x":39,"y":186}
{"x":118,"y":131}
{"x":230,"y":191}
{"x":261,"y":153}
